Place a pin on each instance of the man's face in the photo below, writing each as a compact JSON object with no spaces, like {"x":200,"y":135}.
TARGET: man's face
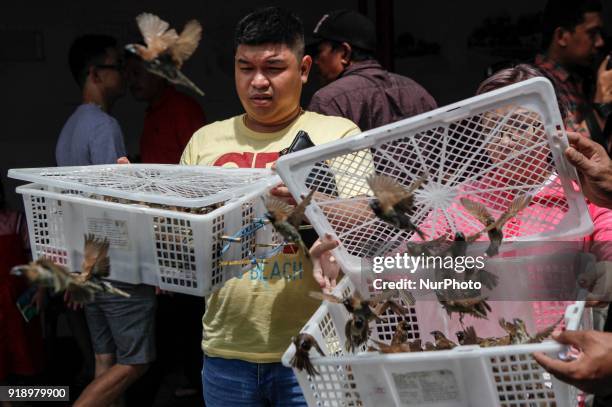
{"x":269,"y":81}
{"x":110,"y":74}
{"x":583,"y":43}
{"x":144,"y":85}
{"x":328,"y":62}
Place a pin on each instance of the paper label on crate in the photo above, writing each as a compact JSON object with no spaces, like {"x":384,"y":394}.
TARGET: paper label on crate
{"x":116,"y":231}
{"x":416,"y":388}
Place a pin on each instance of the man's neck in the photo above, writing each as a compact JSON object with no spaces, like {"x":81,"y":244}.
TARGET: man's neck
{"x":557,"y":57}
{"x":260,"y":127}
{"x":94,"y":96}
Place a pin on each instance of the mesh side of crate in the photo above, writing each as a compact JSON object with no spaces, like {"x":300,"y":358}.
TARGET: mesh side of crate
{"x":471,"y":166}
{"x":47,"y":228}
{"x":521,"y":381}
{"x":489,"y":149}
{"x":215,"y":269}
{"x":175,"y":252}
{"x":335,"y":386}
{"x":247,"y":245}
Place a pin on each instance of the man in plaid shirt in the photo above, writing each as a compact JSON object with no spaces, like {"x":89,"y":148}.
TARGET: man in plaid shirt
{"x":572,"y":39}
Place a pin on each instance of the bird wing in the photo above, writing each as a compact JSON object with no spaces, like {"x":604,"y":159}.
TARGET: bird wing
{"x":479,"y":211}
{"x":95,"y":259}
{"x":279,"y":209}
{"x":518,"y":204}
{"x":156,"y":34}
{"x":314,"y":343}
{"x":186,"y":43}
{"x":297,"y":214}
{"x":80,"y":294}
{"x":389,"y":192}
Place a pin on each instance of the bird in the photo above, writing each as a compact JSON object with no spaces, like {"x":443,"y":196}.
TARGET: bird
{"x":82,"y":285}
{"x":468,"y":336}
{"x":494,"y":228}
{"x":165,"y":51}
{"x":401,"y":333}
{"x":286,"y":219}
{"x":362,"y":311}
{"x":546,"y":332}
{"x":521,"y":335}
{"x":369,"y":308}
{"x":393,"y":203}
{"x":415,"y":346}
{"x":301,"y":359}
{"x":476,"y":306}
{"x":429,"y":346}
{"x":393,"y":348}
{"x":357,"y":331}
{"x":96,"y":266}
{"x":441,"y":341}
{"x":45,"y":273}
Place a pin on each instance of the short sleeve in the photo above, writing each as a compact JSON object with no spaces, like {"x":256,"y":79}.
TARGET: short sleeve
{"x":106,"y":143}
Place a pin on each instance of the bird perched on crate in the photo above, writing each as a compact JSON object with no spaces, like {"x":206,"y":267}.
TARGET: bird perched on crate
{"x":400,"y":335}
{"x":393,"y":203}
{"x":165,"y":51}
{"x":442,"y":342}
{"x":286,"y":219}
{"x":429,"y":346}
{"x":301,"y":359}
{"x":494,"y":228}
{"x":392,"y":348}
{"x":468,"y":336}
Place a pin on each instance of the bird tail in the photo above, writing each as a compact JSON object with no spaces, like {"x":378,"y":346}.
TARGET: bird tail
{"x":181,"y":79}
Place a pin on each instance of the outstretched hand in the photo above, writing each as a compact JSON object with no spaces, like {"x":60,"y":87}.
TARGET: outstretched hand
{"x":325,"y":268}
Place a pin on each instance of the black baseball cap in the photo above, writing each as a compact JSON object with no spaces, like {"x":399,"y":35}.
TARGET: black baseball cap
{"x":345,"y":26}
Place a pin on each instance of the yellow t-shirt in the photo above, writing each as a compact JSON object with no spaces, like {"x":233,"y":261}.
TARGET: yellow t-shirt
{"x":253,"y":319}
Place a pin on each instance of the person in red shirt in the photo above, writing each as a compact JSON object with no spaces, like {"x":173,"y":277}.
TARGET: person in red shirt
{"x":171,"y":116}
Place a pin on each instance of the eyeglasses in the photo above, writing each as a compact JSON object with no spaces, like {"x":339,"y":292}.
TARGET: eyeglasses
{"x":119,"y":66}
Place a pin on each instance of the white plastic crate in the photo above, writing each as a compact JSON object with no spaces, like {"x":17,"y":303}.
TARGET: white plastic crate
{"x":466,"y":376}
{"x":489,"y":148}
{"x":175,"y":250}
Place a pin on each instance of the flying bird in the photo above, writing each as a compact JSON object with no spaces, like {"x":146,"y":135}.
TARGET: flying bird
{"x":494,"y":227}
{"x":165,"y":51}
{"x":46,"y":273}
{"x":393,"y":203}
{"x":301,"y":359}
{"x":286,"y":219}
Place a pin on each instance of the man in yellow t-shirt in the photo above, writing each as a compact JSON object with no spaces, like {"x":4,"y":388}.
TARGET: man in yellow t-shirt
{"x":249,"y":322}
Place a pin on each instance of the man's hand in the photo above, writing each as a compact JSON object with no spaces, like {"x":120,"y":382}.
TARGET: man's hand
{"x":123,"y":160}
{"x":594,"y":168}
{"x":325,"y":269}
{"x":603,"y":92}
{"x":592,"y":370}
{"x":71,"y":304}
{"x":282,"y":192}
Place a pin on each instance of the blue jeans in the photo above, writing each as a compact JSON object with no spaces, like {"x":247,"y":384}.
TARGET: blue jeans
{"x":233,"y":382}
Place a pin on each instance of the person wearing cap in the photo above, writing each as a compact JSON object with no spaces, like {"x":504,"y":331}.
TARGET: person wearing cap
{"x":357,"y":86}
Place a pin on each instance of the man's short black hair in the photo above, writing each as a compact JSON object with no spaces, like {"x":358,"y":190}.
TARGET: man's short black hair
{"x":566,"y":14}
{"x":87,"y":50}
{"x":271,"y":25}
